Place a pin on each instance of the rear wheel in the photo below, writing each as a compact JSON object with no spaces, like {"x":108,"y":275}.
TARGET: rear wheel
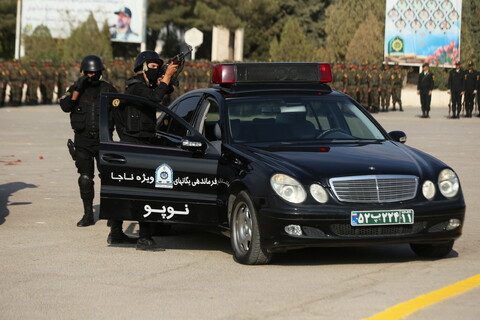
{"x":245,"y":234}
{"x":432,"y":250}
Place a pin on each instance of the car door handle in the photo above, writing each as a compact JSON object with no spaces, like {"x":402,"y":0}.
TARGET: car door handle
{"x":114,"y":158}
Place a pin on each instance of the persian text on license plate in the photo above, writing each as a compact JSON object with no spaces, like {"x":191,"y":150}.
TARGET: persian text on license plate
{"x":381,"y":217}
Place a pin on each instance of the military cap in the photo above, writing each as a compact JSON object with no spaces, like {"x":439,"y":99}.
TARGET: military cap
{"x":124,"y":10}
{"x":458,"y":63}
{"x":425,"y":65}
{"x":471,"y":64}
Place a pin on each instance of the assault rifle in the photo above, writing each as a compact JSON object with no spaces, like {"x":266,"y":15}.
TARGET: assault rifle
{"x":178,"y":59}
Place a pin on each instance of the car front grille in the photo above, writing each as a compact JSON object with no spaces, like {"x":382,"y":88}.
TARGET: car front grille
{"x":375,"y":188}
{"x":346,"y":230}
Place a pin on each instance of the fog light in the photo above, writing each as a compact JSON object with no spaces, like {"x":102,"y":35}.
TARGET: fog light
{"x":293,"y":230}
{"x":453,"y":224}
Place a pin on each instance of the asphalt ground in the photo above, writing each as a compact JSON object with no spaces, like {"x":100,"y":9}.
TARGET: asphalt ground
{"x":50,"y":269}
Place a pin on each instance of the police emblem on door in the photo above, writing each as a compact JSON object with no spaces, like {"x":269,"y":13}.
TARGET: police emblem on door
{"x":164,"y":177}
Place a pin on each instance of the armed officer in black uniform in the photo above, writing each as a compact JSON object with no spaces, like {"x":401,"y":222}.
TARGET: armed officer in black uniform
{"x":137,"y":125}
{"x":456,"y":88}
{"x":424,"y":89}
{"x":82,"y":101}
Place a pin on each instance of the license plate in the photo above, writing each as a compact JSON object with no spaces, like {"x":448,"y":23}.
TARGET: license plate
{"x":381,"y":217}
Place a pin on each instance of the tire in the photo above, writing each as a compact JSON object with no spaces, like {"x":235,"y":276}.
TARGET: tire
{"x":432,"y":250}
{"x":245,"y":233}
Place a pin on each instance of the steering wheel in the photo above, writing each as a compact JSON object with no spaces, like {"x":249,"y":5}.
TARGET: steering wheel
{"x":327,"y":132}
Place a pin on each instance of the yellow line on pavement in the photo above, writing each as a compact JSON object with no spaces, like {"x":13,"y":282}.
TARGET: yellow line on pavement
{"x":405,"y":309}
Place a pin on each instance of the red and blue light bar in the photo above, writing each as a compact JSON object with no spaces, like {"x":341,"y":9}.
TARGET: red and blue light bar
{"x":232,"y":73}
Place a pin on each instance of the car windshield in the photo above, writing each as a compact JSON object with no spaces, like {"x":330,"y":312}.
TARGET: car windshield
{"x":298,"y":119}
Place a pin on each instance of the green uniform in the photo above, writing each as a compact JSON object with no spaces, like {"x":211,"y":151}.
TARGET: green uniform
{"x":351,"y":83}
{"x":48,"y":83}
{"x":62,"y":81}
{"x":4,"y":73}
{"x":16,"y":80}
{"x":338,"y":83}
{"x":375,"y":89}
{"x":397,"y":84}
{"x":118,"y":76}
{"x":73,"y":74}
{"x":34,"y":76}
{"x":363,"y":85}
{"x":384,"y":93}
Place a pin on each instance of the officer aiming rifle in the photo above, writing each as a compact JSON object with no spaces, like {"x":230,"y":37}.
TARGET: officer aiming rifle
{"x":179,"y":60}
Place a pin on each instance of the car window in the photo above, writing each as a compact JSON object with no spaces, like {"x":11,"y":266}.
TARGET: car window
{"x":211,"y":118}
{"x":298,"y":117}
{"x":186,"y":109}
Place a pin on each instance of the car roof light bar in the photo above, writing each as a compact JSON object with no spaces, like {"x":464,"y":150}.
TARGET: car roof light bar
{"x":232,"y":73}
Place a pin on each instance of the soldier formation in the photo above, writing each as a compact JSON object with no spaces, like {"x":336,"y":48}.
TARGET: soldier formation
{"x":32,"y":83}
{"x":374,"y":86}
{"x":378,"y":87}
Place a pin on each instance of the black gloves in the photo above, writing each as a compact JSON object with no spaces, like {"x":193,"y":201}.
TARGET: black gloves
{"x":81,"y":84}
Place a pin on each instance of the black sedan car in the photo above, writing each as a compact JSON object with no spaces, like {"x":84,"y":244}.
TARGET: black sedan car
{"x":274,"y":158}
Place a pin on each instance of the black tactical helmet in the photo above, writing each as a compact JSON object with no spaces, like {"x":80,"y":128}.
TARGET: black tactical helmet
{"x":148,"y":55}
{"x":91,"y":63}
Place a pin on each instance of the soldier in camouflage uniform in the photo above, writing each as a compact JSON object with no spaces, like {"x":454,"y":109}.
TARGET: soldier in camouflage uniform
{"x":119,"y":75}
{"x":375,"y":88}
{"x":33,"y":83}
{"x":187,"y":77}
{"x":384,"y":92}
{"x":73,"y":73}
{"x":396,"y":77}
{"x":363,"y":85}
{"x":48,"y":82}
{"x":338,"y":79}
{"x":351,"y":81}
{"x":4,"y":73}
{"x":62,"y":80}
{"x":203,"y":76}
{"x":16,"y":79}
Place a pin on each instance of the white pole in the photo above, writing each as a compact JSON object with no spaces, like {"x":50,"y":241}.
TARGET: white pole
{"x":18,"y":32}
{"x":143,"y":45}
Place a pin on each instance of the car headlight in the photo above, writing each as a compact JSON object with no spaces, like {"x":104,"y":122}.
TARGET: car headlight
{"x":448,"y":183}
{"x":319,"y":193}
{"x":288,"y":188}
{"x":428,"y":190}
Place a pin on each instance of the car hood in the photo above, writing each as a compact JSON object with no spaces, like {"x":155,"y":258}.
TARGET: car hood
{"x":336,"y":160}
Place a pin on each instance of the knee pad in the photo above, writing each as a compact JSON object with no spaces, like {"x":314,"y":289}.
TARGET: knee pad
{"x":86,"y":186}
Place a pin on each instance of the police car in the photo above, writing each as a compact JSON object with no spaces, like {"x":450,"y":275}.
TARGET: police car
{"x":274,"y":158}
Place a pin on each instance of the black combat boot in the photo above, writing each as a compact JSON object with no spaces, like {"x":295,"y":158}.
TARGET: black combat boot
{"x":116,"y":235}
{"x":87,"y":219}
{"x":145,"y":241}
{"x":146,"y":244}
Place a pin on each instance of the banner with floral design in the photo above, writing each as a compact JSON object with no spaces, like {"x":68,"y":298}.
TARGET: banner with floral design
{"x":419,"y":31}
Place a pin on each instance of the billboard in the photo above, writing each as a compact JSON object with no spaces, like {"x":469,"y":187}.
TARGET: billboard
{"x":126,"y":18}
{"x":419,"y":31}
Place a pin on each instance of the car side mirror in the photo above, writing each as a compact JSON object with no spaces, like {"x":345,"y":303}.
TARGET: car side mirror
{"x":193,"y":144}
{"x":398,"y":136}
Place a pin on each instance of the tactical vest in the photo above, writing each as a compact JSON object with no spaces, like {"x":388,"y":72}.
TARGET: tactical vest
{"x":85,"y":117}
{"x":139,"y":122}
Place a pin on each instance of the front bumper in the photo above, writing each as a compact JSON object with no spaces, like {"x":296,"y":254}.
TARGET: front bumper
{"x":329,"y":226}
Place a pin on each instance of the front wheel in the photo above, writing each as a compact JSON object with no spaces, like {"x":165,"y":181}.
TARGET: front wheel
{"x":432,"y":250}
{"x":245,"y":234}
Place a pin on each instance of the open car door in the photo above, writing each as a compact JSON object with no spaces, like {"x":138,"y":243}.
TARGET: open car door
{"x":172,"y":181}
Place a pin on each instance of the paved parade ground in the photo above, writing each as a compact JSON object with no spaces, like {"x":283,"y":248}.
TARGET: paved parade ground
{"x":51,"y":269}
